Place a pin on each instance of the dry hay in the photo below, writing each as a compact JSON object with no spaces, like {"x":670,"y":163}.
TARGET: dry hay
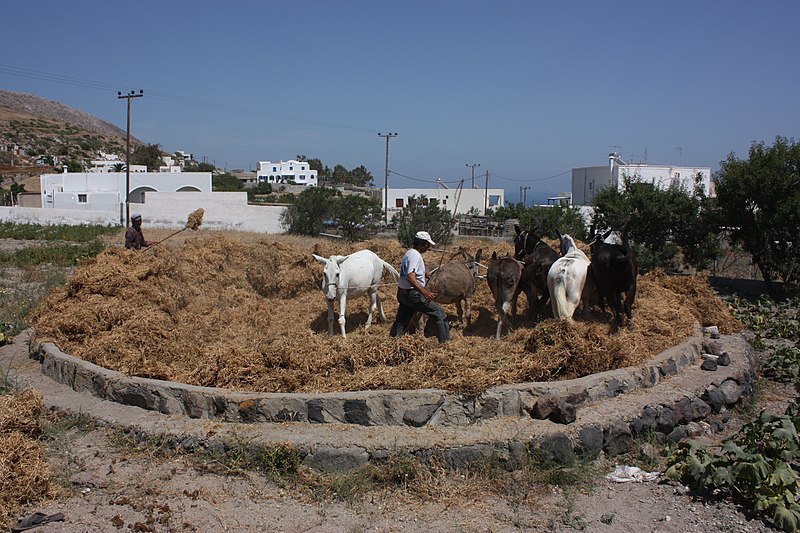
{"x":24,"y":471}
{"x":250,"y":316}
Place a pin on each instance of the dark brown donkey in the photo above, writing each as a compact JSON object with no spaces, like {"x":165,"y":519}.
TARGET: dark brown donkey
{"x":503,"y":277}
{"x":538,"y":257}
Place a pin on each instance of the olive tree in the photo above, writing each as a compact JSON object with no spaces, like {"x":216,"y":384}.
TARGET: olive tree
{"x":759,"y":201}
{"x":664,"y":225}
{"x":422,"y":214}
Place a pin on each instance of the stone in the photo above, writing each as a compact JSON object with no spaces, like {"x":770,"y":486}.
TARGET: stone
{"x":460,"y":458}
{"x":419,"y":416}
{"x":669,"y":367}
{"x":682,"y":409}
{"x":665,"y":422}
{"x":712,"y":347}
{"x":709,"y":364}
{"x":490,"y":407}
{"x":617,"y":439}
{"x":557,"y":448}
{"x":724,"y":359}
{"x":544,"y":406}
{"x":88,"y":479}
{"x":712,"y":331}
{"x":677,"y":434}
{"x":337,"y":460}
{"x":517,"y":456}
{"x":700,"y":409}
{"x":731,"y":392}
{"x":138,"y":396}
{"x":564,"y":413}
{"x":357,"y":412}
{"x":714,"y":397}
{"x":591,"y":441}
{"x":315,"y":413}
{"x":189,"y":444}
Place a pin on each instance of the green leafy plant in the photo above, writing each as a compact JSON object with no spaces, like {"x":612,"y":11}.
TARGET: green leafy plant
{"x":783,"y":365}
{"x":757,"y":466}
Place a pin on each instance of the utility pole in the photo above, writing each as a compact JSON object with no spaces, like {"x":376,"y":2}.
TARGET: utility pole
{"x":387,"y":136}
{"x":524,"y":195}
{"x":128,"y":97}
{"x":680,"y":154}
{"x":486,"y":195}
{"x":473,"y":165}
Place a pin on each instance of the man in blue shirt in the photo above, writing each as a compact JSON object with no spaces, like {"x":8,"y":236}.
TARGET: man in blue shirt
{"x":412,"y":294}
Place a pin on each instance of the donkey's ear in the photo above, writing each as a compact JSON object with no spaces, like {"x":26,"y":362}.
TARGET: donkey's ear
{"x":516,"y":228}
{"x":494,"y":256}
{"x":478,"y":255}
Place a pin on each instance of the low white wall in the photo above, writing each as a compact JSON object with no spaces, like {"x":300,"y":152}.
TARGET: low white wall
{"x":223,"y":211}
{"x":57,"y":217}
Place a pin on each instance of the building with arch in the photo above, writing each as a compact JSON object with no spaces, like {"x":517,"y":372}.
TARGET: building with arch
{"x":105,"y":191}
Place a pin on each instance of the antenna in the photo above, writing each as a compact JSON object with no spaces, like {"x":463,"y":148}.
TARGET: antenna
{"x":616,"y":147}
{"x":680,"y":154}
{"x":645,"y":156}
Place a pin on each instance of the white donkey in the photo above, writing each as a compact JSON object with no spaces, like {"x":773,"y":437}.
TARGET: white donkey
{"x":350,"y":276}
{"x":566,"y":279}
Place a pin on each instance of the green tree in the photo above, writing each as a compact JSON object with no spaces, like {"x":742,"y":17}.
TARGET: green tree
{"x":226,"y":183}
{"x":147,"y":154}
{"x":118,"y":167}
{"x":759,"y":200}
{"x":360,"y":176}
{"x":194,"y":166}
{"x":357,"y":216}
{"x":260,"y":188}
{"x":549,"y":220}
{"x":340,"y":175}
{"x":310,"y":208}
{"x":659,"y":223}
{"x":422,"y":214}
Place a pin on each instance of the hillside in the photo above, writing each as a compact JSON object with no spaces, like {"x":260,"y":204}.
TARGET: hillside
{"x":57,"y":132}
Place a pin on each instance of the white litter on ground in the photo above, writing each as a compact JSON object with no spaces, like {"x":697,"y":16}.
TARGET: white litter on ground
{"x":625,"y":474}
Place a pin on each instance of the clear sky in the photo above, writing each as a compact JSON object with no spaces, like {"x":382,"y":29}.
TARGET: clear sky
{"x":527,"y":89}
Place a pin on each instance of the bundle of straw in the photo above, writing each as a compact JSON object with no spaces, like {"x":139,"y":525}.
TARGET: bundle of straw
{"x":194,"y":221}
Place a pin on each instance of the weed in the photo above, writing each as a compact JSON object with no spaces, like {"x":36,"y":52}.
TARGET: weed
{"x":80,"y":233}
{"x":56,"y":427}
{"x":607,"y":518}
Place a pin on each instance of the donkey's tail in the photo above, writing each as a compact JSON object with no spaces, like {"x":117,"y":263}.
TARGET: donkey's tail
{"x":395,"y":274}
{"x":558,"y":298}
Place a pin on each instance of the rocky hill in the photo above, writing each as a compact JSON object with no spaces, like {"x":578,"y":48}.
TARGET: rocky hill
{"x":32,"y":128}
{"x":35,"y":106}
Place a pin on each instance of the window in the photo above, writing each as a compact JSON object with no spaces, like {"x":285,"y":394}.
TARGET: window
{"x":274,"y":169}
{"x":302,"y":177}
{"x":291,"y":168}
{"x":81,"y":198}
{"x":398,"y":203}
{"x":302,"y":168}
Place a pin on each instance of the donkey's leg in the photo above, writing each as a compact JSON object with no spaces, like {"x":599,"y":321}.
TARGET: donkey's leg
{"x":342,"y":310}
{"x":381,"y":314}
{"x":330,"y":317}
{"x":373,"y":305}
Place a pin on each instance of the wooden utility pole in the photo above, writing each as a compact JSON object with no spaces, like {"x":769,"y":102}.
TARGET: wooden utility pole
{"x":473,"y":165}
{"x":128,"y":97}
{"x":486,"y":195}
{"x":386,"y":177}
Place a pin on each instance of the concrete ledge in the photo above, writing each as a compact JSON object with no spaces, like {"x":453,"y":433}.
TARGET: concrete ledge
{"x":416,"y":408}
{"x":670,"y":396}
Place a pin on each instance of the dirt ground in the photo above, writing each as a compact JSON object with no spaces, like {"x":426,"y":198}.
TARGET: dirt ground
{"x":108,"y":485}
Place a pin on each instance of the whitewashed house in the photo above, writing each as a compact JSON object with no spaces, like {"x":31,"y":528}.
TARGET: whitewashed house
{"x":297,"y":172}
{"x":107,"y":162}
{"x":587,"y":181}
{"x":105,"y":191}
{"x":456,"y":201}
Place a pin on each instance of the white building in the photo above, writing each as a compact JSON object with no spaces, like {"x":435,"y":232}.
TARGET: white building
{"x":107,"y":162}
{"x":105,"y":191}
{"x":286,"y":171}
{"x":458,"y":202}
{"x":587,"y":181}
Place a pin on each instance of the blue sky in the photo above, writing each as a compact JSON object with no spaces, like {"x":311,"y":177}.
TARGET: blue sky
{"x":527,"y":89}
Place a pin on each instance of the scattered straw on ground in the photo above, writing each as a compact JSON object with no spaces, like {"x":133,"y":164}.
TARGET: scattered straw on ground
{"x":24,"y":471}
{"x":216,"y":311}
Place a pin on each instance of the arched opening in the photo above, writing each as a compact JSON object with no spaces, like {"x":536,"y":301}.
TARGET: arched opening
{"x":137,"y":194}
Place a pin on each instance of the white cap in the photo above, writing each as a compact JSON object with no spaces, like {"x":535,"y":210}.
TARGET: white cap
{"x":424,"y":236}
